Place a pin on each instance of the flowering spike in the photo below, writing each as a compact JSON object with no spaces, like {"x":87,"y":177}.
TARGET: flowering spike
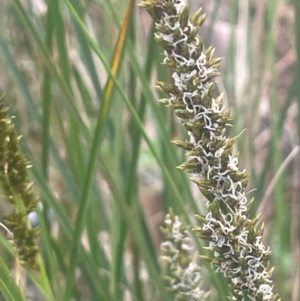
{"x":17,"y":190}
{"x":235,"y":242}
{"x":183,"y":276}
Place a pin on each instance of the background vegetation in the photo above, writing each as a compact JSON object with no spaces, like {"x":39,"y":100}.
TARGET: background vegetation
{"x":78,"y":76}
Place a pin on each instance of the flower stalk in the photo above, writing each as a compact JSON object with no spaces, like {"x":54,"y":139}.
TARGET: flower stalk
{"x":234,"y":238}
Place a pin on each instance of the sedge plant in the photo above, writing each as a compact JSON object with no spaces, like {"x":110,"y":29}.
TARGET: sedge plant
{"x":80,"y":92}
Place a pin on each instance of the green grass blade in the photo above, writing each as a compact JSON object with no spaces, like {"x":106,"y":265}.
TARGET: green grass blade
{"x":8,"y":287}
{"x":104,"y":109}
